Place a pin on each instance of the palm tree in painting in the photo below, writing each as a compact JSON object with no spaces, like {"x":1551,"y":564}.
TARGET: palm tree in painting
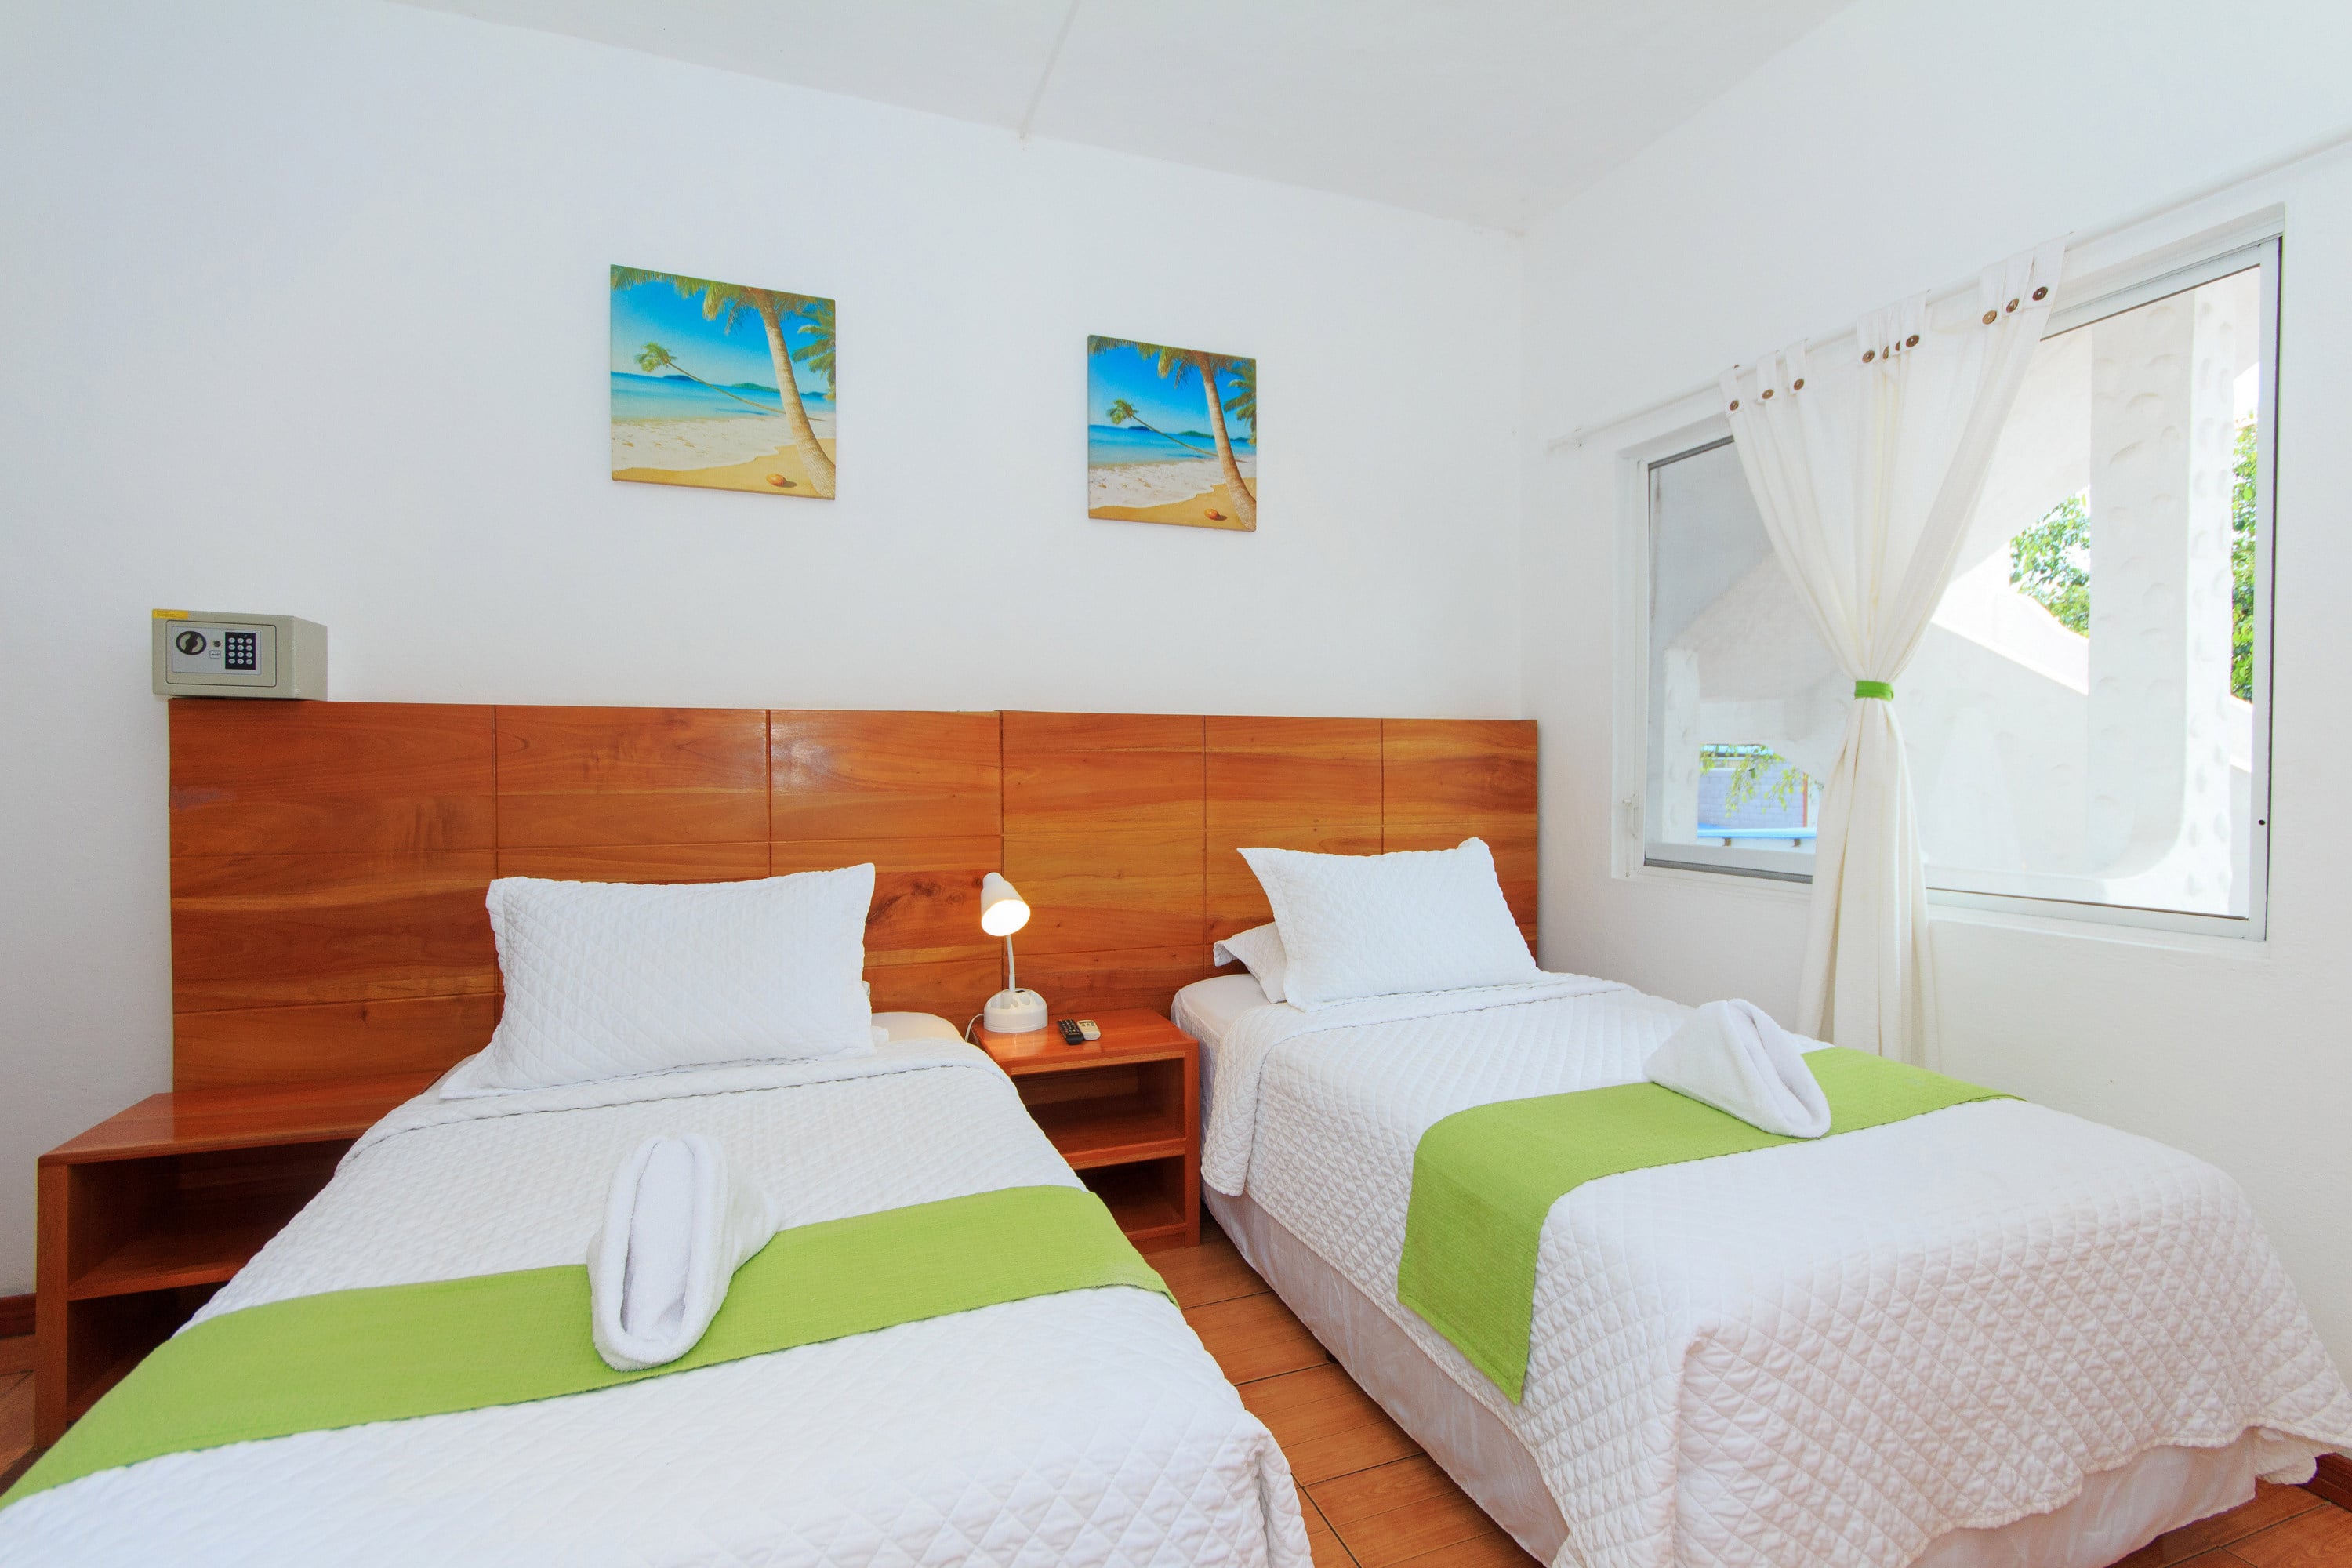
{"x":1122,"y":412}
{"x":655,"y":360}
{"x":1173,"y":363}
{"x":1242,"y":377}
{"x":720,"y":303}
{"x":815,"y":327}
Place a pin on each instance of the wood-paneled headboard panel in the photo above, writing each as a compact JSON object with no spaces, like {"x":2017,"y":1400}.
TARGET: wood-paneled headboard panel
{"x":919,"y":795}
{"x":328,"y":858}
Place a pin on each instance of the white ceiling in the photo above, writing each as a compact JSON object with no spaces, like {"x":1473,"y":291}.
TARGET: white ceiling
{"x":1492,"y":111}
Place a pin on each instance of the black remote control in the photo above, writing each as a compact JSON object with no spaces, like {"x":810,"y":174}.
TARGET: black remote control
{"x":1072,"y":1033}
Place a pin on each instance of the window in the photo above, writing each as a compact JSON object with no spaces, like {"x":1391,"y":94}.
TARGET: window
{"x":2086,"y":719}
{"x":1744,"y":711}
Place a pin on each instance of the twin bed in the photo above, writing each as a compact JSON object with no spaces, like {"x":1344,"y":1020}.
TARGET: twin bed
{"x":1994,"y":1335}
{"x":1080,"y":1427}
{"x":1059,"y":1413}
{"x":1990,"y":1335}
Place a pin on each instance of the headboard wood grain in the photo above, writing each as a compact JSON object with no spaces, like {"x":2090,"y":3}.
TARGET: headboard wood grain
{"x":329,"y":860}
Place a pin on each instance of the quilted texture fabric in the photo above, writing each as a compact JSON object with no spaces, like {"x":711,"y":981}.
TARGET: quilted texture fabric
{"x":1823,"y":1354}
{"x":608,"y":979}
{"x":1259,"y":951}
{"x":1086,"y":1427}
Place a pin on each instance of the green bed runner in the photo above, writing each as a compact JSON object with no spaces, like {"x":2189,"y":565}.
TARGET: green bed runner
{"x":347,"y":1357}
{"x":1485,"y":1179}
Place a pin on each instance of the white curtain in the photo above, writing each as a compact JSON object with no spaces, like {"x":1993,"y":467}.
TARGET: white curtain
{"x":1866,"y":456}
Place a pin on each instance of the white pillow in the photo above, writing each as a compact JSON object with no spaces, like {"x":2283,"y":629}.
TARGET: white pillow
{"x":904,"y":1026}
{"x":1378,"y":925}
{"x":612,"y":979}
{"x":1257,"y":950}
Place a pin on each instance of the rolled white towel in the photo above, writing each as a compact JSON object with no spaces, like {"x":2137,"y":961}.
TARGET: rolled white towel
{"x":678,"y":1222}
{"x":1732,"y":1056}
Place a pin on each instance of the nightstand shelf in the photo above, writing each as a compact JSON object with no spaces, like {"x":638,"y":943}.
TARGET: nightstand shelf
{"x":201,"y":1246}
{"x":1124,"y":1111}
{"x":117,"y":1332}
{"x":1149,"y":1200}
{"x":1112,"y":1131}
{"x":146,"y":1215}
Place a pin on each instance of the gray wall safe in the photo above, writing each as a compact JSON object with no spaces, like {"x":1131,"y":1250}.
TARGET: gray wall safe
{"x":211,"y":653}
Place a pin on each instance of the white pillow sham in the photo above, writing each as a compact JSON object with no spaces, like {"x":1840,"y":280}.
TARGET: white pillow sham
{"x":1379,"y":925}
{"x":608,"y":980}
{"x":1257,"y":950}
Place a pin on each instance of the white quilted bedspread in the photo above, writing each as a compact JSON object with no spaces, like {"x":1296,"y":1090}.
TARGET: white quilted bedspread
{"x":1822,"y":1355}
{"x":1088,"y":1426}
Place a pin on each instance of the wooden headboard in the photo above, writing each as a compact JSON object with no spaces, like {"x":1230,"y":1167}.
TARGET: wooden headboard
{"x":329,"y":860}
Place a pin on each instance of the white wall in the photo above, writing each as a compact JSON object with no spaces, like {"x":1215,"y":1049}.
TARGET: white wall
{"x":1900,"y":147}
{"x":305,"y":308}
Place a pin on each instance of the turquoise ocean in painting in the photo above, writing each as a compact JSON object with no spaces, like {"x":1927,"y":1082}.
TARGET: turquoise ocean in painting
{"x":669,"y":397}
{"x":1119,"y":446}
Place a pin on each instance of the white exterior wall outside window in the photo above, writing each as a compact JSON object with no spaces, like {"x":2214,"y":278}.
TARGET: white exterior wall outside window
{"x":1742,"y":693}
{"x":2086,"y":719}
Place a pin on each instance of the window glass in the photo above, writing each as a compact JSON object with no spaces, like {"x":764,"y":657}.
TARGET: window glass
{"x":2080,"y":718}
{"x":2085,"y":715}
{"x":1744,"y":715}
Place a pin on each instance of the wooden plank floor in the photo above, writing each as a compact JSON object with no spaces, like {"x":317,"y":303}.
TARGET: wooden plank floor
{"x":15,"y":1405}
{"x":2283,"y":1527}
{"x":1373,"y":1500}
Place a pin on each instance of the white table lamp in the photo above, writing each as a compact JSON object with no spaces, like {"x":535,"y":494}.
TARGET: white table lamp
{"x":1011,"y":1011}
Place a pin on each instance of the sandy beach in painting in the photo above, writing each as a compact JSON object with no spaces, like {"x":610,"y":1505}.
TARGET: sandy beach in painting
{"x":751,"y":454}
{"x":782,"y":470}
{"x":686,"y":444}
{"x":1215,"y":510}
{"x":677,"y":432}
{"x":1141,"y":485}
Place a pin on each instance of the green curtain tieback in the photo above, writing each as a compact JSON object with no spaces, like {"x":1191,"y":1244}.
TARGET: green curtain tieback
{"x":1878,"y":688}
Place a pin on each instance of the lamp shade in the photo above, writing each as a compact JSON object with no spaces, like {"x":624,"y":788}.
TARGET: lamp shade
{"x":1002,"y":912}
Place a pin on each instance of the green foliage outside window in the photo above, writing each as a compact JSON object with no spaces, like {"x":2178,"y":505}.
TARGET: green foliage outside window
{"x":2050,"y":563}
{"x":1751,"y":774}
{"x":2241,"y":566}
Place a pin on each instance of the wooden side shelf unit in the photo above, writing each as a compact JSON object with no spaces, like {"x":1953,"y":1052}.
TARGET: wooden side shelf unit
{"x":146,"y":1215}
{"x":1125,"y":1111}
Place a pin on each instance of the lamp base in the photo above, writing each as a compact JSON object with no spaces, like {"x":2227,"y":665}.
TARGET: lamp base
{"x":1015,"y":1012}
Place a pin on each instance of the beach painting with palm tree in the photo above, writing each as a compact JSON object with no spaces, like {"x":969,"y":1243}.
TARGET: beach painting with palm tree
{"x":721,"y":385}
{"x":1171,"y":434}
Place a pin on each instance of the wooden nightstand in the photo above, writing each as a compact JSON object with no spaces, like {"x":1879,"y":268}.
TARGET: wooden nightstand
{"x":146,"y":1215}
{"x":1124,"y":1111}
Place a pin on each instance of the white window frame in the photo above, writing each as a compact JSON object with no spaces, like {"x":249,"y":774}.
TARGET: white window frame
{"x":1698,"y":426}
